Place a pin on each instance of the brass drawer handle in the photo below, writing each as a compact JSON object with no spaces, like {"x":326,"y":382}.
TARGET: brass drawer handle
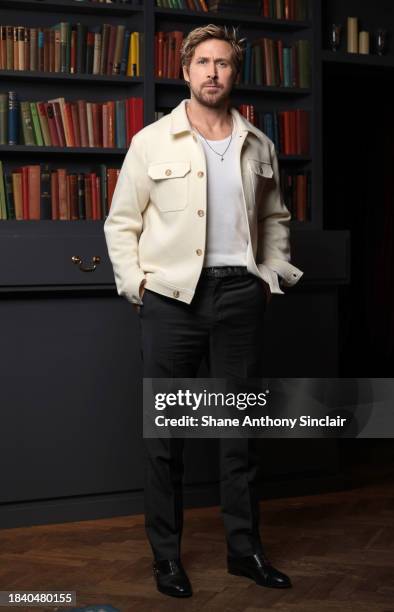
{"x":78,"y":261}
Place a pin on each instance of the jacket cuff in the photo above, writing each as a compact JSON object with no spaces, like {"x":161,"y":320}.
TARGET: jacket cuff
{"x":290,"y":274}
{"x":132,"y":293}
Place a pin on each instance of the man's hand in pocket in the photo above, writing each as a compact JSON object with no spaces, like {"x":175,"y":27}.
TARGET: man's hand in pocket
{"x":137,"y":307}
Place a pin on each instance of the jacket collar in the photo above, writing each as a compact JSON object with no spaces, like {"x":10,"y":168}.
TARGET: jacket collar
{"x":180,"y":121}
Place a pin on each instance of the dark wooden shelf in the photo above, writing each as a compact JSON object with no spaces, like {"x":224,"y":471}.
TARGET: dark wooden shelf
{"x":246,"y":20}
{"x":30,"y":75}
{"x":244,"y":87}
{"x":341,"y":57}
{"x":31,"y":149}
{"x":62,"y":6}
{"x":105,"y":151}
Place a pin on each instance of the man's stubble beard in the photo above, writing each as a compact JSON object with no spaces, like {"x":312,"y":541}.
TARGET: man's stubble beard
{"x":217,"y":101}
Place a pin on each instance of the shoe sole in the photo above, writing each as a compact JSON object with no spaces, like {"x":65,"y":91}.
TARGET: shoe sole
{"x":181,"y":595}
{"x":237,"y":572}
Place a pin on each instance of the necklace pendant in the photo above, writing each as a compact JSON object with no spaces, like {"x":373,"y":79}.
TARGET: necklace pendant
{"x":221,"y":159}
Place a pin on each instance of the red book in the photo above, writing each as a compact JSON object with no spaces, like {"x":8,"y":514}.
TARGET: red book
{"x":55,"y":195}
{"x":96,"y":124}
{"x":281,"y":75}
{"x":25,"y":191}
{"x":267,"y":62}
{"x":112,"y":177}
{"x":62,"y":190}
{"x":293,"y":133}
{"x":111,"y":49}
{"x":34,"y":191}
{"x":301,"y":197}
{"x":111,"y":123}
{"x":73,"y":193}
{"x":88,"y":196}
{"x":69,"y":120}
{"x":302,"y":121}
{"x":286,"y":9}
{"x":286,"y":133}
{"x":93,"y":191}
{"x":59,"y":123}
{"x":139,"y":113}
{"x":52,"y":124}
{"x":75,"y":124}
{"x":105,"y":124}
{"x":165,"y":55}
{"x":98,"y":192}
{"x":203,"y":5}
{"x":160,"y":54}
{"x":83,"y":122}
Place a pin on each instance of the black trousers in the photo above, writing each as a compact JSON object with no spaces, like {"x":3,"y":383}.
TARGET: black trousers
{"x":223,"y":324}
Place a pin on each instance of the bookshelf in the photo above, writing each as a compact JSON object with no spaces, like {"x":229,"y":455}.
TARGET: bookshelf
{"x":67,"y":309}
{"x":158,"y":93}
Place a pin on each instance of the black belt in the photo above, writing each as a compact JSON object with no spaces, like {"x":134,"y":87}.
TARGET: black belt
{"x":221,"y":271}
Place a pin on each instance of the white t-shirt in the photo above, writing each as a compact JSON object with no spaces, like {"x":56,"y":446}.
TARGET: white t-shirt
{"x":227,"y":230}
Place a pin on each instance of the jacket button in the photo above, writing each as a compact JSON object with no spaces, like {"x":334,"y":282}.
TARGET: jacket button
{"x":200,"y":213}
{"x":199,"y":251}
{"x":175,"y":293}
{"x":168,"y":172}
{"x":200,"y":173}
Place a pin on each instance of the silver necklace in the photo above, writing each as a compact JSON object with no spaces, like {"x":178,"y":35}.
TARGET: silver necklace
{"x":220,"y":154}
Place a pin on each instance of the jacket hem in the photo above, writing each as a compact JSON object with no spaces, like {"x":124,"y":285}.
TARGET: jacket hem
{"x":167,"y":289}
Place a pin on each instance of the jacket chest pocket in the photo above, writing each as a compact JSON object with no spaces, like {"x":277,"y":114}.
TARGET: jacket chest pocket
{"x":261,"y":173}
{"x":170,"y":190}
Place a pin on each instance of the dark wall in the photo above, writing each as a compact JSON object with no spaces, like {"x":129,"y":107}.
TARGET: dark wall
{"x":358,"y":196}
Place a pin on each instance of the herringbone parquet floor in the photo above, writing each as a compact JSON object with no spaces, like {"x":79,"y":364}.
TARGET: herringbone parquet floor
{"x":338,"y":548}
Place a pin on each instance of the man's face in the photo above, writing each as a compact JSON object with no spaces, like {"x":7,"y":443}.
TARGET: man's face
{"x":211,"y":72}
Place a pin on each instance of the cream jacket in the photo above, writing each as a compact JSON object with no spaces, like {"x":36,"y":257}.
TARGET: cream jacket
{"x":156,"y":225}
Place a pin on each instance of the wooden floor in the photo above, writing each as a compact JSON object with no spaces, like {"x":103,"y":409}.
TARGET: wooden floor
{"x":338,"y":549}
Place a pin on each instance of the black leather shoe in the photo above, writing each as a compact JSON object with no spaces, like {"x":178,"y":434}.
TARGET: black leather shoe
{"x":171,"y":578}
{"x":259,"y":569}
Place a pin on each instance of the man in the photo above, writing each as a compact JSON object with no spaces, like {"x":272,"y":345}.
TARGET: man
{"x":198,"y":236}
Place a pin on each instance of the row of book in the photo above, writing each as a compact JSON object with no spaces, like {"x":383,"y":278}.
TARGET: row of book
{"x":297,"y":193}
{"x":68,"y":48}
{"x":61,"y":123}
{"x":35,"y":192}
{"x":295,"y":10}
{"x":288,"y":130}
{"x":267,"y":61}
{"x":272,"y":62}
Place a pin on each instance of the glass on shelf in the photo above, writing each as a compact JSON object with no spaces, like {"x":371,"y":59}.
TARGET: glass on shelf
{"x":381,"y":41}
{"x":335,"y":36}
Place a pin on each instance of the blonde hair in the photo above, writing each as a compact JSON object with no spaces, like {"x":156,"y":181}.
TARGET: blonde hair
{"x":199,"y":35}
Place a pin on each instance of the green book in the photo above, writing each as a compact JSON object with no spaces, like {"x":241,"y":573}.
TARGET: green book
{"x":26,"y":122}
{"x":36,"y":124}
{"x":304,"y":62}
